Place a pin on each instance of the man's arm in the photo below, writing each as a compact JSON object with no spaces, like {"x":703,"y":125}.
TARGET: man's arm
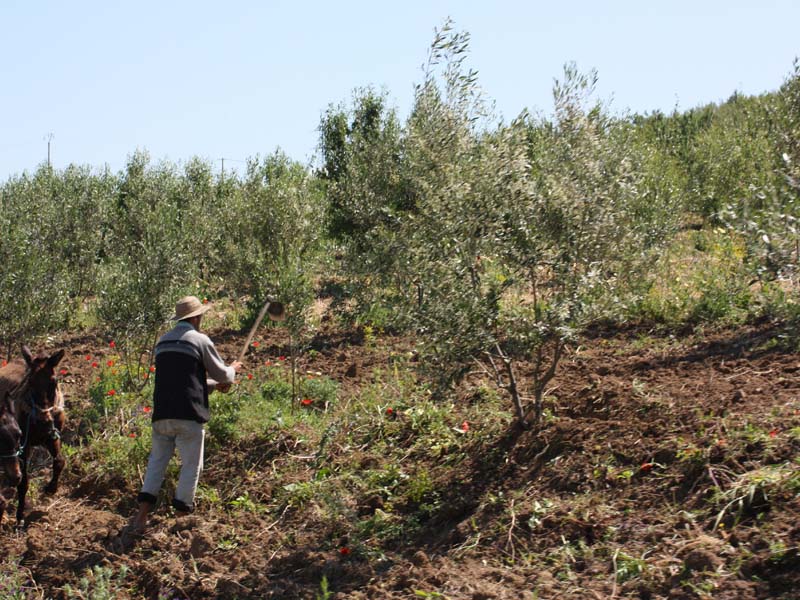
{"x":218,"y":374}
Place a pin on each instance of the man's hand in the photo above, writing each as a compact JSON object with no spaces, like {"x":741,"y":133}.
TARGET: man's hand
{"x":237,"y":366}
{"x":223,"y":388}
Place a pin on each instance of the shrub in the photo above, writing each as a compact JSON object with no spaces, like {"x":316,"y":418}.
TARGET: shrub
{"x":34,"y":284}
{"x":149,"y":263}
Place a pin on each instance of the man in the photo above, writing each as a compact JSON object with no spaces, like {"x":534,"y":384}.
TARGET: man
{"x":187,"y":368}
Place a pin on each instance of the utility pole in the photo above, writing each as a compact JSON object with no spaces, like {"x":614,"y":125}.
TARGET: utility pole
{"x":48,"y":138}
{"x":222,"y":171}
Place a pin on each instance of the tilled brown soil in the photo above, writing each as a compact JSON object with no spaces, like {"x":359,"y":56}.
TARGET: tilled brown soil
{"x":666,"y":468}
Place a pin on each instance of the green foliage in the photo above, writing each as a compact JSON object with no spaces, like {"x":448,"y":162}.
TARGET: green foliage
{"x":324,"y":591}
{"x":127,"y":246}
{"x":255,"y":406}
{"x":627,"y":567}
{"x":555,"y":211}
{"x":100,"y":583}
{"x":701,"y":278}
{"x":267,"y":231}
{"x":245,"y":503}
{"x":149,"y":262}
{"x":767,"y":215}
{"x":14,"y":581}
{"x":729,"y":170}
{"x":33,"y":283}
{"x":300,"y":494}
{"x":361,"y":154}
{"x":420,"y":489}
{"x":121,"y":453}
{"x":225,"y":416}
{"x":106,"y":391}
{"x":322,"y":391}
{"x":276,"y":390}
{"x":119,"y":424}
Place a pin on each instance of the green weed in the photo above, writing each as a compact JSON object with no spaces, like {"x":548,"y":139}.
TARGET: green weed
{"x":100,"y":583}
{"x":14,"y":581}
{"x":627,"y":567}
{"x":324,"y":591}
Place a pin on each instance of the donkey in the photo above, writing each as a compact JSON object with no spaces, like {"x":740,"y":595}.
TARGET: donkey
{"x":10,"y":440}
{"x":32,"y":388}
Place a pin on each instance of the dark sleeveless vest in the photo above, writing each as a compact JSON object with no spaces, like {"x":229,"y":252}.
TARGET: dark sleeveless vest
{"x":180,"y":391}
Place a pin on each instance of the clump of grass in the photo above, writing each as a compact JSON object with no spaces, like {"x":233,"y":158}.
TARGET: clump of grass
{"x":749,"y":493}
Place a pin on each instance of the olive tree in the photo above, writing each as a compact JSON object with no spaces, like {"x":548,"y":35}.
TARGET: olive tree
{"x":766,"y":212}
{"x":514,"y":236}
{"x":271,"y":225}
{"x":369,"y":200}
{"x":148,"y":259}
{"x":271,"y":234}
{"x":38,"y":253}
{"x":579,"y":238}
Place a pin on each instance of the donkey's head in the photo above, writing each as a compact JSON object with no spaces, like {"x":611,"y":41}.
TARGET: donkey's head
{"x":42,"y":382}
{"x":10,"y":440}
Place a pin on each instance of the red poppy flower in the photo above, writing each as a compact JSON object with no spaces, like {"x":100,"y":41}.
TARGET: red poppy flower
{"x":112,"y":392}
{"x":95,"y":365}
{"x":306,"y":401}
{"x":344,"y":550}
{"x":773,"y":433}
{"x":255,"y":344}
{"x":205,"y":300}
{"x":62,"y":372}
{"x":267,"y":364}
{"x":281,"y":358}
{"x":5,"y":362}
{"x":112,"y":344}
{"x":152,"y":369}
{"x":131,"y":435}
{"x":147,"y":409}
{"x":249,"y":375}
{"x":88,"y":357}
{"x":465,"y":426}
{"x":390,"y":411}
{"x":110,"y":363}
{"x":647,"y":466}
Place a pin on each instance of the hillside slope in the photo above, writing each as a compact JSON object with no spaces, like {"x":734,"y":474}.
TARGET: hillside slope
{"x":666,"y":468}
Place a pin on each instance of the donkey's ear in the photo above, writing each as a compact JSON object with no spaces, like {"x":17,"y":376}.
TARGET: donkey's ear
{"x":55,"y":359}
{"x":27,"y":355}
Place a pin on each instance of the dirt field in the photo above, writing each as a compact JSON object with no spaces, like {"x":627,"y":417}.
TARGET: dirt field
{"x":667,"y":469}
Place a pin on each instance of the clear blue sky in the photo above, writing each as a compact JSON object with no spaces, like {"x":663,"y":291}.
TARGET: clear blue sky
{"x":234,"y":79}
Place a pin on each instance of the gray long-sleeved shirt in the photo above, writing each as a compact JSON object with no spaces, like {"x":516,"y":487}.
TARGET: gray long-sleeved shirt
{"x":216,"y":370}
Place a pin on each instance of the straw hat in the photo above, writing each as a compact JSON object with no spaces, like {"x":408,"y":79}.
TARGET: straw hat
{"x":189,"y":306}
